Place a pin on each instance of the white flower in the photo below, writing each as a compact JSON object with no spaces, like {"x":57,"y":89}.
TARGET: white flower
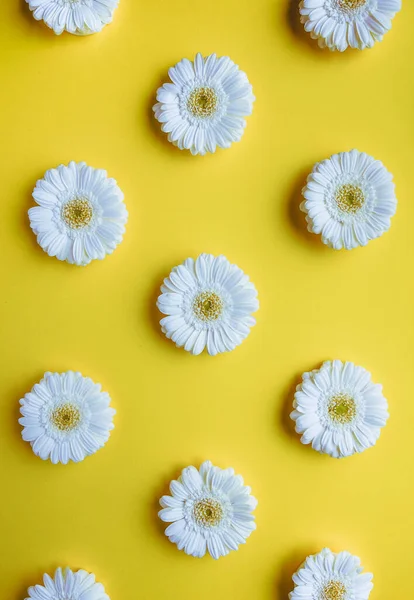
{"x":81,"y":214}
{"x":68,"y":585}
{"x":81,"y":17}
{"x":209,"y":303}
{"x":338,"y":409}
{"x":210,"y":510}
{"x":331,"y":576}
{"x":66,"y":417}
{"x":205,"y":105}
{"x":337,"y":24}
{"x":349,"y":199}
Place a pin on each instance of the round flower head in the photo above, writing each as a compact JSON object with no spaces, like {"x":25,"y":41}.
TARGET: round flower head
{"x":205,"y":105}
{"x":81,"y":17}
{"x":68,"y":585}
{"x":81,"y":214}
{"x":331,"y":576}
{"x":209,"y":303}
{"x":66,"y":417}
{"x":339,"y":410}
{"x":349,"y":200}
{"x":337,"y":24}
{"x":210,"y":510}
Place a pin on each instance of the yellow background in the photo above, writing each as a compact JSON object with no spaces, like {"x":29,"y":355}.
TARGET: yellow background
{"x":70,"y":98}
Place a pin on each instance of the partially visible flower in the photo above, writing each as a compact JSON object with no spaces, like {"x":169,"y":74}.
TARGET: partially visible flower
{"x":205,"y":105}
{"x":339,"y":410}
{"x":68,"y":585}
{"x":81,"y":214}
{"x":339,"y":24}
{"x":331,"y":576}
{"x":210,"y":510}
{"x":81,"y":17}
{"x":66,"y":417}
{"x":209,"y":303}
{"x":349,"y":200}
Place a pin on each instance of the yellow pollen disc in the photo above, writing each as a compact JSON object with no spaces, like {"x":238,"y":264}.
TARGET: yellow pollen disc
{"x":65,"y":417}
{"x":349,"y":198}
{"x":208,"y":306}
{"x":342,"y":408}
{"x":208,"y":512}
{"x":352,"y":4}
{"x":335,"y":590}
{"x":202,"y":102}
{"x":77,"y":213}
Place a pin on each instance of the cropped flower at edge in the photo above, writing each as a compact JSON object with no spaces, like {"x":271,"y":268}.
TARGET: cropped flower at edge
{"x":339,"y":24}
{"x":209,"y":304}
{"x":68,"y":585}
{"x":339,"y":410}
{"x":331,"y":576}
{"x":205,"y":105}
{"x":210,"y":510}
{"x":81,"y":214}
{"x":349,"y":200}
{"x":66,"y":417}
{"x":80,"y":17}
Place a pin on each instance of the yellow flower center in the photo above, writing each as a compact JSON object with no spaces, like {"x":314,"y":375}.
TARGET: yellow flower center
{"x":208,"y":512}
{"x":349,"y":198}
{"x":208,"y":306}
{"x":77,"y":213}
{"x":335,"y":590}
{"x":65,"y":417}
{"x":202,"y":102}
{"x":352,"y":4}
{"x":342,"y":408}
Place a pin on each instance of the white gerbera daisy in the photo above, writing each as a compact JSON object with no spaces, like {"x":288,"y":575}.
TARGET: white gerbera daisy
{"x":210,"y":510}
{"x":349,"y":199}
{"x":209,"y":303}
{"x":331,"y":576}
{"x":68,"y":585}
{"x":66,"y":417}
{"x":205,"y":105}
{"x":81,"y":214}
{"x":337,"y":24}
{"x":339,"y":410}
{"x":81,"y":17}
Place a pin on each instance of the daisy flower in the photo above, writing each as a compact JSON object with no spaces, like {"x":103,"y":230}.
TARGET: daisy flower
{"x":349,"y":200}
{"x":68,"y":585}
{"x":81,"y":214}
{"x":337,"y":24}
{"x":338,"y":409}
{"x":205,"y":105}
{"x":331,"y":576}
{"x":81,"y":17}
{"x":66,"y":417}
{"x":210,"y":510}
{"x":209,"y":303}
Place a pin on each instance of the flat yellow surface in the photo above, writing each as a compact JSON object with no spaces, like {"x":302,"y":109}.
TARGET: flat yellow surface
{"x":90,"y":99}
